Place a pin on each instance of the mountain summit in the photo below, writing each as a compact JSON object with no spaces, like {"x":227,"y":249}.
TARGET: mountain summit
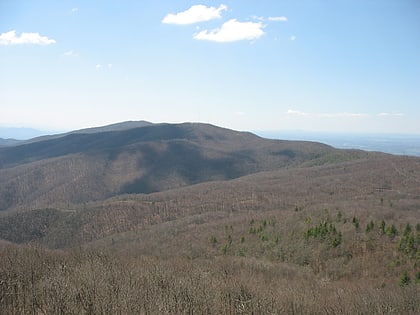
{"x":140,"y":157}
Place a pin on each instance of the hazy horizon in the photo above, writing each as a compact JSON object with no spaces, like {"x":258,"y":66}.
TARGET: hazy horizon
{"x":7,"y":131}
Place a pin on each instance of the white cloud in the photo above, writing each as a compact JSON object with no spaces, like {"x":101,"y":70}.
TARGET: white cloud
{"x":344,"y":114}
{"x":101,"y":66}
{"x":258,"y":18}
{"x":293,"y":38}
{"x":296,"y":112}
{"x":277,"y":18}
{"x":325,"y":115}
{"x":232,"y":31}
{"x":71,"y":53}
{"x":74,"y":10}
{"x":197,"y":13}
{"x":10,"y":38}
{"x":293,"y":112}
{"x":390,"y":114}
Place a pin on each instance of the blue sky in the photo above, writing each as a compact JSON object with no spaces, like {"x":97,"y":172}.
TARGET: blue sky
{"x":335,"y":66}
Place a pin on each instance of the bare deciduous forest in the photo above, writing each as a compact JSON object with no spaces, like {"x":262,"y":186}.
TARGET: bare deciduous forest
{"x":36,"y":281}
{"x":298,"y":228}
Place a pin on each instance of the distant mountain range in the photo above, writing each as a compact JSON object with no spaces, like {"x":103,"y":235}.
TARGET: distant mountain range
{"x":8,"y":142}
{"x":17,"y":133}
{"x":13,"y":136}
{"x":140,"y":157}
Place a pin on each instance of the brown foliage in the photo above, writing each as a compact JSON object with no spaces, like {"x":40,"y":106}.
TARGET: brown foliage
{"x":35,"y":281}
{"x":79,"y":167}
{"x":222,"y":247}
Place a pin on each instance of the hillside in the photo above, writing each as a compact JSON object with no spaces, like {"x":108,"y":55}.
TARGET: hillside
{"x":8,"y":142}
{"x":192,"y":218}
{"x":113,"y":127}
{"x":81,"y":167}
{"x":372,"y":188}
{"x":330,"y":238}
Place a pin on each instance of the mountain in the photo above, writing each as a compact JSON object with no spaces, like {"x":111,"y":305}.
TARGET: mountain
{"x":8,"y":142}
{"x":169,"y":219}
{"x":101,"y":163}
{"x":113,"y":127}
{"x":375,"y":188}
{"x":28,"y":135}
{"x":20,"y":133}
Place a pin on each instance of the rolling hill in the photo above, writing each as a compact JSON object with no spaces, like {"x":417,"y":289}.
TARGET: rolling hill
{"x":193,"y":218}
{"x":101,"y":163}
{"x":113,"y":127}
{"x":8,"y":142}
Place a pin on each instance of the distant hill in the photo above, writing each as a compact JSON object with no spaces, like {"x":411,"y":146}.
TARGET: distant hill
{"x":8,"y":142}
{"x":20,"y":133}
{"x":113,"y":127}
{"x":118,"y":159}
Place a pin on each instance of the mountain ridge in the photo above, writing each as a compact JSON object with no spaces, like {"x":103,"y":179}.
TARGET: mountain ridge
{"x":9,"y":142}
{"x":79,"y":167}
{"x":147,"y":209}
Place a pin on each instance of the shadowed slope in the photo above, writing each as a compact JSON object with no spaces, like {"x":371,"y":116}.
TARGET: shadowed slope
{"x":83,"y":167}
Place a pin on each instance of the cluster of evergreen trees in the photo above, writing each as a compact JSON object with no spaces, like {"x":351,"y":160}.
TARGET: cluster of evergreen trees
{"x":325,"y":231}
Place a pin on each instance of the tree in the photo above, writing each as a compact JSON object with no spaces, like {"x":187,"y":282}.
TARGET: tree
{"x":407,"y":230}
{"x":213,"y":239}
{"x":382,"y":227}
{"x":355,"y":222}
{"x":404,"y":279}
{"x":391,"y":231}
{"x":369,"y":227}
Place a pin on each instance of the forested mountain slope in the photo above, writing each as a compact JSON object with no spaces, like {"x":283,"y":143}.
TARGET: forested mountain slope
{"x":82,"y":167}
